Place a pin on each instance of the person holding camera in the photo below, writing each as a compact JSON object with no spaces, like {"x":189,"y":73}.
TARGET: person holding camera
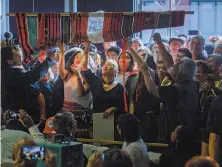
{"x":9,"y":137}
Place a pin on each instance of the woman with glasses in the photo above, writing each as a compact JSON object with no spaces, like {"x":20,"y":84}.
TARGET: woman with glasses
{"x":108,"y":95}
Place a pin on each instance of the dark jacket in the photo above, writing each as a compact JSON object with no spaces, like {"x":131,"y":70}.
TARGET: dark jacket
{"x":17,"y":90}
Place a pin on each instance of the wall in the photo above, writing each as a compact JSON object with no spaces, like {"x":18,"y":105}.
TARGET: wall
{"x":4,"y":8}
{"x":106,"y":5}
{"x":27,"y":6}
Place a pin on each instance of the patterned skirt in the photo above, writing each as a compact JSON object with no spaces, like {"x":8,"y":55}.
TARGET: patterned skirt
{"x":83,"y":117}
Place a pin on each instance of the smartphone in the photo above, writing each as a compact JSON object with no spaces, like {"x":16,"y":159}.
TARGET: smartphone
{"x":14,"y":114}
{"x":33,"y":152}
{"x":193,"y":32}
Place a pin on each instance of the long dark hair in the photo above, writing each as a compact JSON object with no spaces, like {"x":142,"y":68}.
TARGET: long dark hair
{"x":129,"y":125}
{"x":130,"y":68}
{"x":140,"y":80}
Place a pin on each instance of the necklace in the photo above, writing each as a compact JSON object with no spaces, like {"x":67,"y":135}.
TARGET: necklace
{"x":105,"y":85}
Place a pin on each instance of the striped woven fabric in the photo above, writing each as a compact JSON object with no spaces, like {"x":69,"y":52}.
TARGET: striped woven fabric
{"x":112,"y":26}
{"x":97,"y":27}
{"x":48,"y":28}
{"x":22,"y":26}
{"x":72,"y":106}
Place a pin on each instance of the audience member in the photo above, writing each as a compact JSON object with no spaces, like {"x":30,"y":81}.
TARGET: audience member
{"x":215,"y":61}
{"x":50,"y":158}
{"x":55,"y":71}
{"x":183,"y":106}
{"x":113,"y":53}
{"x":180,"y":149}
{"x":45,"y":88}
{"x":9,"y":137}
{"x":183,"y":52}
{"x":129,"y":129}
{"x":108,"y":95}
{"x":143,"y":52}
{"x":197,"y":47}
{"x":127,"y":75}
{"x":175,"y":44}
{"x":110,"y":158}
{"x":65,"y":124}
{"x":209,"y":48}
{"x":77,"y":95}
{"x":201,"y":161}
{"x":18,"y":94}
{"x":136,"y":43}
{"x":215,"y":129}
{"x":218,"y":49}
{"x":144,"y":105}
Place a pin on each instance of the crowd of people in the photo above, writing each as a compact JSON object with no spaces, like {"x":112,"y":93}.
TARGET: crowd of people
{"x":166,"y":92}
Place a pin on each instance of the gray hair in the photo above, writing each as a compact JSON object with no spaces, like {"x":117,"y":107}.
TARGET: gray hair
{"x":145,"y":49}
{"x":114,"y":64}
{"x":200,"y":37}
{"x":138,"y":40}
{"x":186,"y":69}
{"x":62,"y":121}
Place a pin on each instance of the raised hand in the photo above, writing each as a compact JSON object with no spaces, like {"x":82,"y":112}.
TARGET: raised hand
{"x":62,"y":48}
{"x":157,"y":38}
{"x":25,"y":119}
{"x":95,"y":160}
{"x":87,"y":44}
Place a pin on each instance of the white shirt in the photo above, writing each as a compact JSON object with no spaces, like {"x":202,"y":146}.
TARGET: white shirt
{"x":138,"y":153}
{"x":10,"y":137}
{"x":71,"y":94}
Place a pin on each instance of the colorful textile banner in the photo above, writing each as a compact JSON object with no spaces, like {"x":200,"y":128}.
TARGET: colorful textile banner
{"x":22,"y":27}
{"x":32,"y":22}
{"x":49,"y":28}
{"x":105,"y":27}
{"x":95,"y":27}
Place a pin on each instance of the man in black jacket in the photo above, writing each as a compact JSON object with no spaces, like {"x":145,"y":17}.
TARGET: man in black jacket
{"x":17,"y":92}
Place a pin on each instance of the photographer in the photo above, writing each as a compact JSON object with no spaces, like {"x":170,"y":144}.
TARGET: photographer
{"x":9,"y":137}
{"x":19,"y":161}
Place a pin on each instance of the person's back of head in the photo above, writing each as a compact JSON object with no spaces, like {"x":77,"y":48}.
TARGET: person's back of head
{"x":186,"y":69}
{"x":6,"y":54}
{"x":201,"y":161}
{"x":209,"y":48}
{"x":65,"y":124}
{"x":128,"y":127}
{"x":117,"y":158}
{"x":18,"y":161}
